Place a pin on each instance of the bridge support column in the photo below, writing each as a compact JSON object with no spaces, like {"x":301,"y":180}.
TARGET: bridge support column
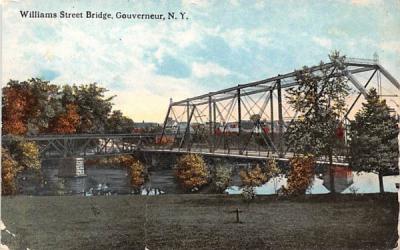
{"x":72,"y":167}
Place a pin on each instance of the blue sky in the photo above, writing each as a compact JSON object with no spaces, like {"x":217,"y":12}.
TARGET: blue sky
{"x":223,"y":43}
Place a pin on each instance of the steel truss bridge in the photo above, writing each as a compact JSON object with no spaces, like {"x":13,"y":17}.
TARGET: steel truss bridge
{"x":219,"y":123}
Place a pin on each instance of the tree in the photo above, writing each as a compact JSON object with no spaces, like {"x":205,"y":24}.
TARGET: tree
{"x":222,"y":178}
{"x":319,"y":99}
{"x":67,"y":122}
{"x":93,"y":107}
{"x":373,"y":138}
{"x":26,"y":154}
{"x":301,"y":175}
{"x":274,"y":172}
{"x":15,"y":108}
{"x":8,"y":172}
{"x":118,"y":123}
{"x":253,"y":177}
{"x":191,"y":172}
{"x":137,"y":174}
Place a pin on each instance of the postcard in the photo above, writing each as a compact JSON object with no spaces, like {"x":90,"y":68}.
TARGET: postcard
{"x":200,"y":124}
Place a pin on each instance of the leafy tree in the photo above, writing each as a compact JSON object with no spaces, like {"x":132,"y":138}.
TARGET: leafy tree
{"x":118,"y":123}
{"x":44,"y":104}
{"x":253,"y":177}
{"x":66,"y":123}
{"x":15,"y":108}
{"x":373,"y":134}
{"x":319,"y":99}
{"x":222,"y":178}
{"x":273,"y":172}
{"x":191,"y":172}
{"x":93,"y":107}
{"x":26,"y":154}
{"x":137,"y":173}
{"x":8,"y":172}
{"x":301,"y":175}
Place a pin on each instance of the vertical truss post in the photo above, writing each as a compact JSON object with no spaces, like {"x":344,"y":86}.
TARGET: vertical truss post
{"x":215,"y":124}
{"x":187,"y":112}
{"x":239,"y":120}
{"x":165,"y":123}
{"x":271,"y":99}
{"x":210,"y":124}
{"x":186,"y":136}
{"x":280,"y":114}
{"x":188,"y":118}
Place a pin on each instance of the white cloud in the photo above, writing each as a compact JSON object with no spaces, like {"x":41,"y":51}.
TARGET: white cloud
{"x":393,"y":46}
{"x":366,"y":2}
{"x":241,"y":37}
{"x":201,"y":70}
{"x":323,"y":42}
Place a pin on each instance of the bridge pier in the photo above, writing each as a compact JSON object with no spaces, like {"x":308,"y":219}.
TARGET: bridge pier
{"x":72,"y":167}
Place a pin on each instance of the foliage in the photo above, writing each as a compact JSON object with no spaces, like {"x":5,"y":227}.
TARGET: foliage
{"x":222,"y":178}
{"x":319,"y":100}
{"x":112,"y":161}
{"x":25,"y":153}
{"x":248,"y":193}
{"x":255,"y":118}
{"x":137,"y":173}
{"x":274,"y":172}
{"x":36,"y":106}
{"x":118,"y":123}
{"x":373,"y":134}
{"x":15,"y":109}
{"x":253,"y":177}
{"x":94,"y":108}
{"x":301,"y":175}
{"x":8,"y":172}
{"x":191,"y":172}
{"x":29,"y":106}
{"x":66,"y":123}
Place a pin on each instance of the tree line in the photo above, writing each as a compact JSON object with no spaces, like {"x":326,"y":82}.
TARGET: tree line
{"x":36,"y":106}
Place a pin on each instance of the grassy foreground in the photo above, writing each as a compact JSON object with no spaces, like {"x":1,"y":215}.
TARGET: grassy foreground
{"x":200,"y":222}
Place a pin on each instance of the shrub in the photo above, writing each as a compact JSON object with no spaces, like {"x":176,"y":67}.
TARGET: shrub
{"x":273,"y":172}
{"x":253,"y":177}
{"x":221,"y":178}
{"x":28,"y":155}
{"x":301,"y":175}
{"x":248,"y":193}
{"x":191,"y":172}
{"x":8,"y":173}
{"x":137,"y":173}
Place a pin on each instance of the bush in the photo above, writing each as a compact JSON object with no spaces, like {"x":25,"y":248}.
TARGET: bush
{"x":273,"y":172}
{"x":221,"y":178}
{"x":191,"y":172}
{"x":253,"y":177}
{"x":248,"y":193}
{"x":137,"y":173}
{"x":8,"y":173}
{"x":25,"y":153}
{"x":301,"y":175}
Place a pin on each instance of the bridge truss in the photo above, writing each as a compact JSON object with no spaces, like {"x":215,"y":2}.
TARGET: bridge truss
{"x":221,"y":121}
{"x":86,"y":145}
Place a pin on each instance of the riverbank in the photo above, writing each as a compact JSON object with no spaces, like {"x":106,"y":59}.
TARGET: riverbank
{"x":200,"y":222}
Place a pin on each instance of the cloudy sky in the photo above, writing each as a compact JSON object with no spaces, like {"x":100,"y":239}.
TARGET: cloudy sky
{"x":223,"y":43}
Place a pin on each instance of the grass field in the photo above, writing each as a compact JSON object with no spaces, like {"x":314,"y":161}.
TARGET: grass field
{"x":200,"y":222}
